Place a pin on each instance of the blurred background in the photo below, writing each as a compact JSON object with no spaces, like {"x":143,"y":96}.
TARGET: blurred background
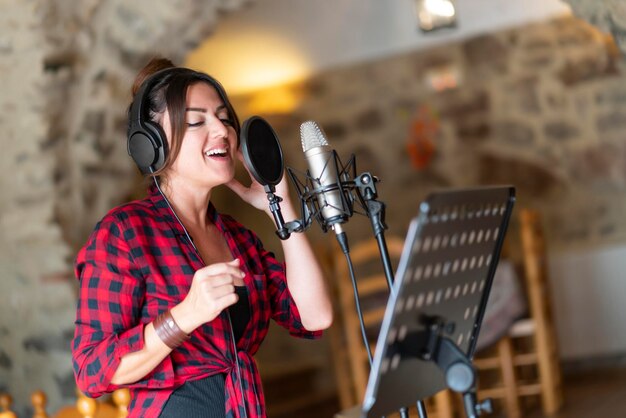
{"x":427,"y":94}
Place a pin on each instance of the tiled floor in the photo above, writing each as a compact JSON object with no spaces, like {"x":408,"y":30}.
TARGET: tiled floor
{"x":593,"y":394}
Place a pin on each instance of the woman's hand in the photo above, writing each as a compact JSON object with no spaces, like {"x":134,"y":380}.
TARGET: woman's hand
{"x":212,"y":290}
{"x":255,"y":194}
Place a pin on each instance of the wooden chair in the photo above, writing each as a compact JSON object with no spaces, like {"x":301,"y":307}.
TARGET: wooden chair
{"x":526,"y":358}
{"x":85,"y":407}
{"x":350,"y":356}
{"x":5,"y":406}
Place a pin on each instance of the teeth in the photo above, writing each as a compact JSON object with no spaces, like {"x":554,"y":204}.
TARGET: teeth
{"x":216,"y":151}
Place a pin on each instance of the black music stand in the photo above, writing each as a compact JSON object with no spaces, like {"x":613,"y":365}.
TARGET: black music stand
{"x":433,"y":316}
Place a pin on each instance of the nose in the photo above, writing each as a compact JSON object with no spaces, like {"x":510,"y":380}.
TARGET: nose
{"x":218,"y":129}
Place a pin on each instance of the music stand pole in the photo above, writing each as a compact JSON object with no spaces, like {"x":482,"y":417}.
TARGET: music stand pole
{"x":375,"y":209}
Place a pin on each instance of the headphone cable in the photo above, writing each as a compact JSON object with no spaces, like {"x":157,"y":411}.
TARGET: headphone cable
{"x":230,"y":322}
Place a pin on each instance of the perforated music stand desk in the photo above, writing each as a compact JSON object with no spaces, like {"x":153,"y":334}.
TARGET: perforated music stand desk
{"x":446,"y":269}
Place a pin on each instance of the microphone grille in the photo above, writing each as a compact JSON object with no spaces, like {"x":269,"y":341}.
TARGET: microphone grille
{"x":312,"y":136}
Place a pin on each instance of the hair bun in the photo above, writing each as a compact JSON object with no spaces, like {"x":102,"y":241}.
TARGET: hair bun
{"x":156,"y":64}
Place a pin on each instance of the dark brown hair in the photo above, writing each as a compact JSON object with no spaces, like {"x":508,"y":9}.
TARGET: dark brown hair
{"x":170,"y":92}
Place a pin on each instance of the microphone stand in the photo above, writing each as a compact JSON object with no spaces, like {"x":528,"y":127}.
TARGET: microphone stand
{"x":366,"y":184}
{"x":375,"y":210}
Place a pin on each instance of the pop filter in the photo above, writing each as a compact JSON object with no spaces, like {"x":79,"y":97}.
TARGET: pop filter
{"x":261,"y":151}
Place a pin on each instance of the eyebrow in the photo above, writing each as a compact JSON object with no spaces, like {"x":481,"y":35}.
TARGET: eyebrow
{"x":203,"y":110}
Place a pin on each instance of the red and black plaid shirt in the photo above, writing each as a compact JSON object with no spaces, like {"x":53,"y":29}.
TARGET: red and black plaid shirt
{"x":138,"y":263}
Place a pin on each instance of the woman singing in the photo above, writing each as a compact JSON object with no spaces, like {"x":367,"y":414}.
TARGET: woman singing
{"x":175,"y":298}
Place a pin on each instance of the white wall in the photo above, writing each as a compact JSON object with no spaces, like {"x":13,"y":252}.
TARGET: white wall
{"x":589,"y":291}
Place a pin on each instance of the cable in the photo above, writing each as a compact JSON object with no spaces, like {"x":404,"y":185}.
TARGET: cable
{"x":227,"y":312}
{"x":343,"y":242}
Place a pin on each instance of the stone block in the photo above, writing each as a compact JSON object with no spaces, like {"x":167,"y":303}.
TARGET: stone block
{"x":611,"y":122}
{"x":459,"y":104}
{"x":600,"y":164}
{"x":514,"y":133}
{"x":560,"y":130}
{"x":585,"y":67}
{"x":473,"y":130}
{"x":531,"y":178}
{"x":369,"y":119}
{"x":5,"y":360}
{"x":520,"y":95}
{"x":485,"y":50}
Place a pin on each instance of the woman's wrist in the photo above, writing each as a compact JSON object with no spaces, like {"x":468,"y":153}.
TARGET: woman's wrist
{"x":184,"y":318}
{"x":168,"y":331}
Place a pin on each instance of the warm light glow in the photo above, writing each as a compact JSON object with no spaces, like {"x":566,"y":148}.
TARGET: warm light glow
{"x":249,"y":62}
{"x":444,"y":77}
{"x":443,"y":8}
{"x":275,"y":100}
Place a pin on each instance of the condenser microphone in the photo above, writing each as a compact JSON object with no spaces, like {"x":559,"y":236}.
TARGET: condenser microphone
{"x":324,"y":175}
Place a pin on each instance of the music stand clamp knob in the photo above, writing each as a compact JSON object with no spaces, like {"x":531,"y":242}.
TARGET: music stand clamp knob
{"x":473,"y":408}
{"x":484,"y":406}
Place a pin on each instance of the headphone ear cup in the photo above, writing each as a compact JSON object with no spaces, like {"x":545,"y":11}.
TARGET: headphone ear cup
{"x":147,"y":147}
{"x":159,"y":143}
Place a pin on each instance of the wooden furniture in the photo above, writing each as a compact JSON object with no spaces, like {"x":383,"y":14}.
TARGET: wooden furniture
{"x":5,"y":406}
{"x":526,"y":359}
{"x":85,"y":407}
{"x":350,"y":356}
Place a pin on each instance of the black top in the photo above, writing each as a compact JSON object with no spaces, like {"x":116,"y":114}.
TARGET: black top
{"x":206,"y":398}
{"x":240,"y":312}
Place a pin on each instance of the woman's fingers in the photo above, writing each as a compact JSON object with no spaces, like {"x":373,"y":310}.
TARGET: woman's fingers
{"x":226,"y":300}
{"x":218,"y":280}
{"x":220,"y":269}
{"x":212,"y":290}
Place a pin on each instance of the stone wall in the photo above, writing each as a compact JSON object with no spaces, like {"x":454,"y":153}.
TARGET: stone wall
{"x":67,"y":67}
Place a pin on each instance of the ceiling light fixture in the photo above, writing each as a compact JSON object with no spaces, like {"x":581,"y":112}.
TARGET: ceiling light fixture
{"x":435,"y":14}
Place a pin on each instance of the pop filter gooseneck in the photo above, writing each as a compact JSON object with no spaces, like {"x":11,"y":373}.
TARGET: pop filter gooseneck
{"x":263,"y":157}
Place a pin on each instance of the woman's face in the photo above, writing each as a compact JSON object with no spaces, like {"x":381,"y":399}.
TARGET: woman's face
{"x":209,"y":146}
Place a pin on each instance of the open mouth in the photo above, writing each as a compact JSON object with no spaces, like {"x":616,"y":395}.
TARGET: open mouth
{"x":217,"y":153}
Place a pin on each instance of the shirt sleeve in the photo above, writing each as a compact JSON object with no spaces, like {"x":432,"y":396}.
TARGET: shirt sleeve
{"x":284,"y":309}
{"x":108,"y":324}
